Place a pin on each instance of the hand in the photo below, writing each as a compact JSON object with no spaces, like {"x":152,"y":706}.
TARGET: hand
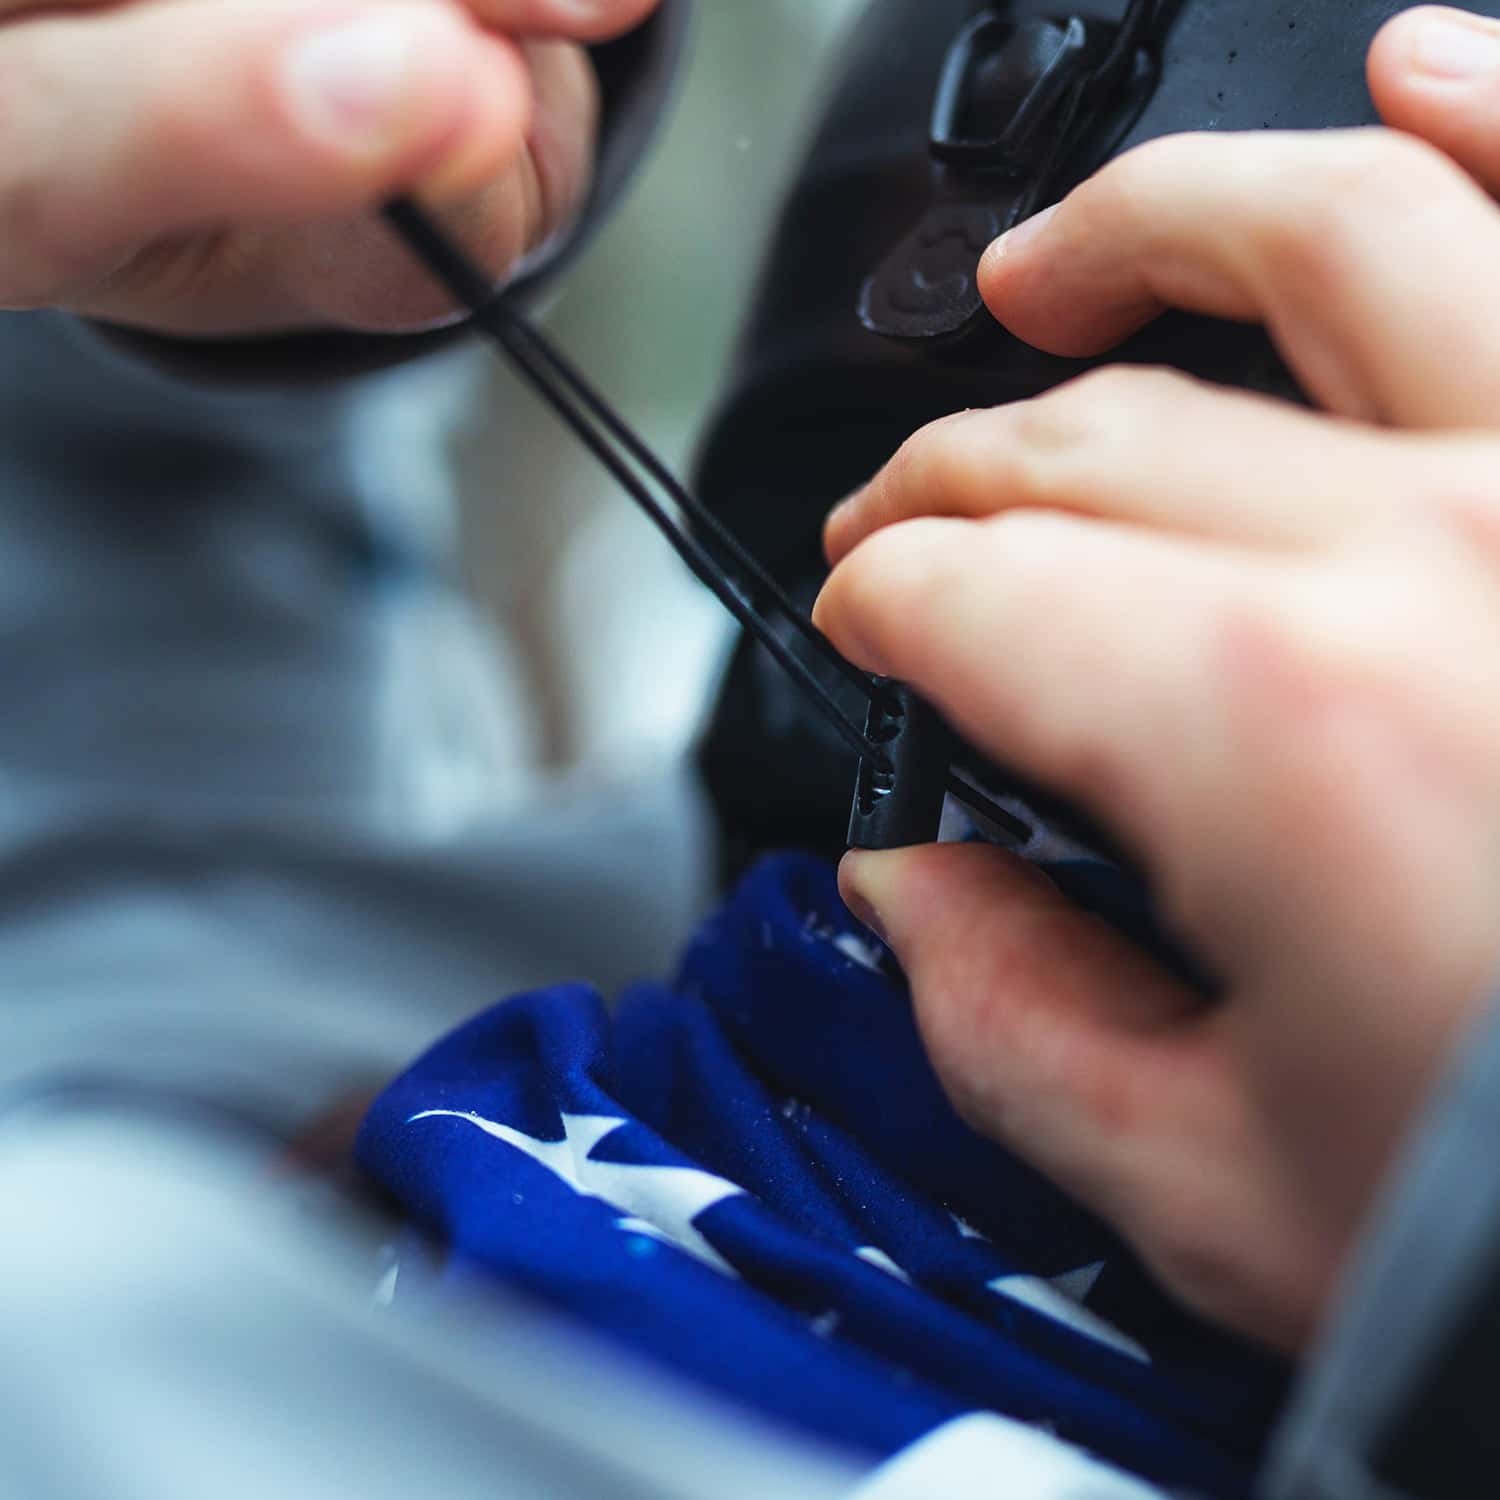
{"x":1263,"y":644}
{"x":209,"y":166}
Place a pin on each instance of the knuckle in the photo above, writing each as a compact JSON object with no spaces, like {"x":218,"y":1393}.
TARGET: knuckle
{"x":1106,"y":385}
{"x":1116,"y":398}
{"x":1130,"y":183}
{"x":1260,"y":632}
{"x":892,"y":492}
{"x":1266,"y":665}
{"x":1039,"y":453}
{"x":930,"y":470}
{"x":1135,"y":193}
{"x":1047,"y":444}
{"x":1381,"y":161}
{"x":1341,"y":207}
{"x":904,"y":474}
{"x":1373,"y":168}
{"x":1049,"y":440}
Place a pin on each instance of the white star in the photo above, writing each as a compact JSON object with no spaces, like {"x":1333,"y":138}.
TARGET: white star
{"x":640,"y":1226}
{"x":866,"y":954}
{"x":1062,"y":1299}
{"x":871,"y":1256}
{"x":660,"y":1201}
{"x":967,"y":1230}
{"x":385,"y":1290}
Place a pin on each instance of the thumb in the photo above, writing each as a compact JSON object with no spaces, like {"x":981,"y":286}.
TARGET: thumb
{"x":1047,"y":1029}
{"x":240,"y":112}
{"x":1435,"y":72}
{"x":1054,"y":1036}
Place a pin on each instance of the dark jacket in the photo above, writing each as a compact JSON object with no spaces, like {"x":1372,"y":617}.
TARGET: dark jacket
{"x":1395,"y":1400}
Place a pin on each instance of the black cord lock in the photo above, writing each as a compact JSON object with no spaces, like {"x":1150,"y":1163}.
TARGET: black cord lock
{"x":1003,"y":84}
{"x":901,"y":805}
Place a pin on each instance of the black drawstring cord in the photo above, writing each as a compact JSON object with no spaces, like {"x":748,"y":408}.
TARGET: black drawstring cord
{"x":1137,"y":26}
{"x":561,"y":385}
{"x":595,"y":422}
{"x":688,"y":502}
{"x":564,"y":388}
{"x":554,"y":379}
{"x":1016,"y":829}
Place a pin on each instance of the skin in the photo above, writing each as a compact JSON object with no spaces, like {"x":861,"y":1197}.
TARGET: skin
{"x":1263,"y":644}
{"x":169,"y":164}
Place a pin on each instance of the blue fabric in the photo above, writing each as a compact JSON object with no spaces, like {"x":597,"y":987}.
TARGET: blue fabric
{"x":777,"y":1199}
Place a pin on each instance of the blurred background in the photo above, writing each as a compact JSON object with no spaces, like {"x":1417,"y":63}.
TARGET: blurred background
{"x":597,"y":622}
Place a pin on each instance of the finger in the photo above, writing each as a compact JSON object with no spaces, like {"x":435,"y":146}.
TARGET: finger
{"x":1081,"y":653}
{"x":578,"y":20}
{"x":239,"y":111}
{"x":1369,"y":256}
{"x":1013,"y":984}
{"x":10,"y":8}
{"x":1054,"y":1036}
{"x":351,"y":272}
{"x":1435,"y":72}
{"x":1112,"y":445}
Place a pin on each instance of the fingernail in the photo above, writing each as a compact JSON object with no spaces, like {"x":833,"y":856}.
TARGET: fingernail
{"x":865,"y":914}
{"x":1013,"y":241}
{"x":855,"y":879}
{"x":348,"y":83}
{"x":1450,"y":49}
